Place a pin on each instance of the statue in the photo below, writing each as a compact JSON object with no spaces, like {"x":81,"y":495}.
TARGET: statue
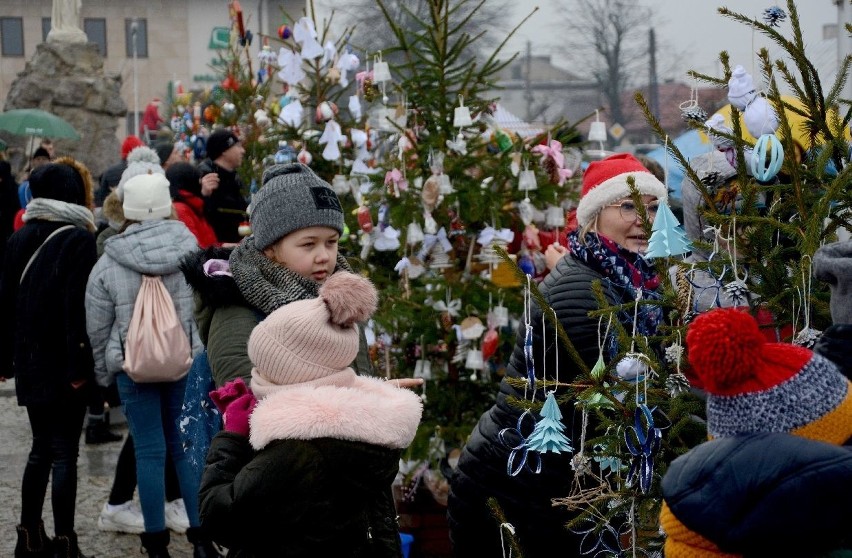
{"x":65,"y":23}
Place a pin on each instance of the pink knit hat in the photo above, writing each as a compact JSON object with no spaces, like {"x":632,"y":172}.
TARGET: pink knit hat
{"x":605,"y":181}
{"x":312,"y":341}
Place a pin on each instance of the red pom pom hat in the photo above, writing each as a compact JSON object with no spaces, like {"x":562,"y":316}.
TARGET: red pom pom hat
{"x":755,"y":386}
{"x":605,"y":182}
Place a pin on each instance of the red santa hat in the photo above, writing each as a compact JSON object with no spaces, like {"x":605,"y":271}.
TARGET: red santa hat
{"x":605,"y":182}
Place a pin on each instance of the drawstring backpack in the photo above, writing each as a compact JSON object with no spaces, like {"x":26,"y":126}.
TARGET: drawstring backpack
{"x":157,"y":348}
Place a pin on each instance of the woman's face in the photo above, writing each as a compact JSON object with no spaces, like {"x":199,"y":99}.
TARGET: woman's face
{"x":310,"y":252}
{"x":620,"y":222}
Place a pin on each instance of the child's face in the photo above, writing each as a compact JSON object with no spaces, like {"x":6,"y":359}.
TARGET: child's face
{"x":310,"y":252}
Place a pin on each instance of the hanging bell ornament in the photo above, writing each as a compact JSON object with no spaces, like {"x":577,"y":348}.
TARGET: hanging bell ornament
{"x":461,"y":116}
{"x":474,"y":361}
{"x":597,"y":131}
{"x":381,"y":70}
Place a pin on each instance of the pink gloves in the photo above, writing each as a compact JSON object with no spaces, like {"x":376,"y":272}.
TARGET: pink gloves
{"x":236,"y":403}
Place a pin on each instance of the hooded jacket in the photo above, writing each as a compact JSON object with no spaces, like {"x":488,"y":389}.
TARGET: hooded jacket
{"x":314,"y":477}
{"x":147,"y":248}
{"x":761,"y":494}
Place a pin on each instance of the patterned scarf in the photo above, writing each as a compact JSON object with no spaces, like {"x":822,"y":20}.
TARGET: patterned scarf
{"x":267,"y":285}
{"x":625,"y":269}
{"x":63,"y":212}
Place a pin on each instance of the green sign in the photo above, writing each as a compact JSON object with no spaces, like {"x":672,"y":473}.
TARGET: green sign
{"x":219,"y":38}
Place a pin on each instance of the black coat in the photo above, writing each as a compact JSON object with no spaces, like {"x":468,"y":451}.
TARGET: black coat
{"x":835,"y":344}
{"x":764,"y":494}
{"x":225,"y":207}
{"x":482,"y":467}
{"x":43,"y":342}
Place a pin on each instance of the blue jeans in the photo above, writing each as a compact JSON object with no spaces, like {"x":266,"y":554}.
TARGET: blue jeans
{"x":152,"y":412}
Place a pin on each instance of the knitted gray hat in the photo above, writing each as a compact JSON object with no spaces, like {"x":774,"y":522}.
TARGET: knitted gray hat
{"x":292,"y":197}
{"x":833,"y":264}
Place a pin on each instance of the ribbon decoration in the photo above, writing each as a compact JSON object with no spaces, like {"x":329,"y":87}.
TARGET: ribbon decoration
{"x":554,"y":150}
{"x":604,"y":540}
{"x":528,"y":356}
{"x":451,"y":307}
{"x":490,"y":234}
{"x":402,"y":265}
{"x":513,"y":438}
{"x":429,"y":241}
{"x":643,"y":441}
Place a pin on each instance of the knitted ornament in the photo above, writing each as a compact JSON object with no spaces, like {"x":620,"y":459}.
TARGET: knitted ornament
{"x":756,"y":386}
{"x":605,"y":182}
{"x":741,"y":90}
{"x":312,"y":340}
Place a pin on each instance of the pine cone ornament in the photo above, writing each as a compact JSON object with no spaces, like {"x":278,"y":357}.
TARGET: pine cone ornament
{"x":694,"y":114}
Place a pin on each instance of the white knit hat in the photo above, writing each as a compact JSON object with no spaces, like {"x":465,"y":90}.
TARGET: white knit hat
{"x":141,"y":160}
{"x":147,"y":197}
{"x":312,"y":341}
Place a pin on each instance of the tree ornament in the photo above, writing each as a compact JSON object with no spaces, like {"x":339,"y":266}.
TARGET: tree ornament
{"x":667,"y":237}
{"x":244,"y":229}
{"x":305,"y":157}
{"x":693,"y":114}
{"x":643,"y":441}
{"x":766,"y":158}
{"x":549,"y":433}
{"x":365,"y":219}
{"x":773,"y":16}
{"x":519,"y":454}
{"x":284,"y":32}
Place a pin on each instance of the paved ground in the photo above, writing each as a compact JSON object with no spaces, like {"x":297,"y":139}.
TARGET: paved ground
{"x":96,"y":467}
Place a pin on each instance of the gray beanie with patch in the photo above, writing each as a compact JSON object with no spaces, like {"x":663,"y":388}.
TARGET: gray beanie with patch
{"x":292,"y":197}
{"x":833,"y":264}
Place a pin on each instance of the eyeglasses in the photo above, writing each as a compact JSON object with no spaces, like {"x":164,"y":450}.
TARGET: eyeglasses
{"x":629,"y":212}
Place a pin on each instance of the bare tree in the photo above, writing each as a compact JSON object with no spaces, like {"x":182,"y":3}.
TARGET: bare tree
{"x":609,"y":38}
{"x":372,"y":34}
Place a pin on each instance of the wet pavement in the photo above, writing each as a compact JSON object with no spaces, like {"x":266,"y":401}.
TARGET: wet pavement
{"x":95,"y":472}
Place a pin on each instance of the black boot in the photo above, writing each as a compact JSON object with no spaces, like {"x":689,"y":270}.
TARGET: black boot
{"x":156,"y":544}
{"x":65,"y":546}
{"x":33,"y":542}
{"x":201,"y":544}
{"x":98,"y":432}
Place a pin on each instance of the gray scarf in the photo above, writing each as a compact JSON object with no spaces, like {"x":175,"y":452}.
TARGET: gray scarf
{"x":265,"y":284}
{"x":63,"y":212}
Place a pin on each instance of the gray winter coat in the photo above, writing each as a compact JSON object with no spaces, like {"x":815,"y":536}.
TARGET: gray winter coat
{"x":146,"y":248}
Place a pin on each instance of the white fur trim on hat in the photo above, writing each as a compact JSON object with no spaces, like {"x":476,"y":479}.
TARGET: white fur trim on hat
{"x":616,"y":188}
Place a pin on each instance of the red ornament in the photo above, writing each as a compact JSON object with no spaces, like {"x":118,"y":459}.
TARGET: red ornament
{"x":284,"y":32}
{"x":230,"y":83}
{"x":365,"y":220}
{"x":489,"y":343}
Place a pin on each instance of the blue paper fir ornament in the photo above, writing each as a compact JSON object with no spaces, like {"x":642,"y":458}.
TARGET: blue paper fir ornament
{"x":548,"y":434}
{"x":667,"y":237}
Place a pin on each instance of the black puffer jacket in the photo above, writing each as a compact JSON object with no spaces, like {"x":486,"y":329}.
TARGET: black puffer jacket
{"x":763,"y":494}
{"x":835,"y":344}
{"x":482,"y":468}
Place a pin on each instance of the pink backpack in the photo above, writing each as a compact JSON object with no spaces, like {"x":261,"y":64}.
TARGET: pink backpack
{"x":157,"y":348}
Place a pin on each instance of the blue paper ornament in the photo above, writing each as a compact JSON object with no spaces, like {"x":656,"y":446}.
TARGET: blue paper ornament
{"x":667,"y":237}
{"x":767,"y":157}
{"x":643,"y":441}
{"x":548,"y":434}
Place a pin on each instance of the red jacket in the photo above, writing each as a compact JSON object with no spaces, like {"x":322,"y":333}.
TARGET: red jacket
{"x":190,"y":210}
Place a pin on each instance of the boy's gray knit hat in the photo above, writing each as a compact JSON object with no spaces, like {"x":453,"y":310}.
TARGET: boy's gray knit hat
{"x":292,"y":197}
{"x":833,"y":264}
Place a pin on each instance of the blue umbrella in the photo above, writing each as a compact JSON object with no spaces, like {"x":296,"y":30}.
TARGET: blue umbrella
{"x":690,"y":144}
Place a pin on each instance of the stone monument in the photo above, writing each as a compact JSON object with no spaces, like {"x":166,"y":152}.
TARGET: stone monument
{"x":66,"y":77}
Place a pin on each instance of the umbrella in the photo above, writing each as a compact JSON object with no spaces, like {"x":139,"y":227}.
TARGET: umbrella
{"x":36,"y":122}
{"x":690,"y":144}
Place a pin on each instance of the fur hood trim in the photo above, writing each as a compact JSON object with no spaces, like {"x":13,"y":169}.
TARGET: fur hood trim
{"x":113,"y":209}
{"x":215,"y":291}
{"x":370,"y":410}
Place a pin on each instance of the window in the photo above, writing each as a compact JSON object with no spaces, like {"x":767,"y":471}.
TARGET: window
{"x":137,"y":28}
{"x":45,"y":28}
{"x":95,"y":29}
{"x":12,"y":36}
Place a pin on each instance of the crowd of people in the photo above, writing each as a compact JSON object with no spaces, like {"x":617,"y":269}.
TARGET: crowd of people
{"x":311,"y":439}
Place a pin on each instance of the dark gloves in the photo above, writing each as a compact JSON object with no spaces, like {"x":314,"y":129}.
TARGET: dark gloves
{"x":236,"y":404}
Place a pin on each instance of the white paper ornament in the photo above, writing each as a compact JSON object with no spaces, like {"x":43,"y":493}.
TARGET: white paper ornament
{"x":355,"y":107}
{"x":381,"y":70}
{"x":474,"y":361}
{"x":461,"y":116}
{"x":597,"y":131}
{"x":500,"y":315}
{"x":414,"y":235}
{"x":340,"y":185}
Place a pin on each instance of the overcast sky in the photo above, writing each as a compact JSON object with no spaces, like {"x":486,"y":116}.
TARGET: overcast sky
{"x":691,"y":27}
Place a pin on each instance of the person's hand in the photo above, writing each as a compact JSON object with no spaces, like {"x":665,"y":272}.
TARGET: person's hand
{"x":406,"y":382}
{"x":209,"y":182}
{"x":553,"y":254}
{"x":236,"y":404}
